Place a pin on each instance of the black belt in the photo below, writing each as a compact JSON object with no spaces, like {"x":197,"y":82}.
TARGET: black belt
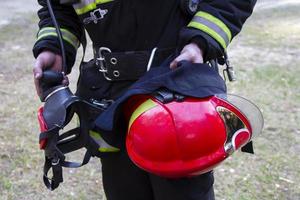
{"x":130,"y":65}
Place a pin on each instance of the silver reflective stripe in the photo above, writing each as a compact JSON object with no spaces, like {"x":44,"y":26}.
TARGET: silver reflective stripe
{"x":214,"y":27}
{"x":83,"y":3}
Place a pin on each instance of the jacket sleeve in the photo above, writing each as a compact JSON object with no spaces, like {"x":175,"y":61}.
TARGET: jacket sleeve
{"x":70,"y":27}
{"x":215,"y":24}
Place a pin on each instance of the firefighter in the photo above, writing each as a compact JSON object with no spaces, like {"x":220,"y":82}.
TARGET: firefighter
{"x":133,"y":37}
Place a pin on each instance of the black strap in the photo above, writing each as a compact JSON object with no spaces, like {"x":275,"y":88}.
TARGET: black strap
{"x":56,"y":165}
{"x":52,"y":183}
{"x":165,"y":95}
{"x":49,"y":133}
{"x":60,"y":144}
{"x":129,"y":65}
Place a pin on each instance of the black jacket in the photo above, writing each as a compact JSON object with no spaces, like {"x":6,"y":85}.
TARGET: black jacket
{"x":133,"y":25}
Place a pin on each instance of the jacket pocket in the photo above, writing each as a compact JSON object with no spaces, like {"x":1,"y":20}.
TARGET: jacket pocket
{"x":91,"y":83}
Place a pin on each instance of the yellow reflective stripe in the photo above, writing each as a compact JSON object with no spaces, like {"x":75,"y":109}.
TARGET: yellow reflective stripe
{"x":104,"y":147}
{"x":86,"y":9}
{"x":103,"y":1}
{"x":67,"y":35}
{"x":108,"y":150}
{"x":210,"y":32}
{"x":213,"y":27}
{"x":215,"y":21}
{"x":90,"y":6}
{"x":147,"y":105}
{"x":95,"y":135}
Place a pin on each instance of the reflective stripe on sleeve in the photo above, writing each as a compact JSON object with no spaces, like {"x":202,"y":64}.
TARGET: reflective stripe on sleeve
{"x":213,"y":27}
{"x":88,"y":5}
{"x":67,"y":35}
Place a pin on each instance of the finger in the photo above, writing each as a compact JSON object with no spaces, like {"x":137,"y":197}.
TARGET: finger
{"x":173,"y":64}
{"x":183,"y":56}
{"x":37,"y":86}
{"x":65,"y":82}
{"x":38,"y":69}
{"x":38,"y":73}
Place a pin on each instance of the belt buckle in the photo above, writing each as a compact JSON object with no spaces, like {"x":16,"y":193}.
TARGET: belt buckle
{"x":100,"y":61}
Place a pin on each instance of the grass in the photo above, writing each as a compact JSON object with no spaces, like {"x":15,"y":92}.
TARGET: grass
{"x":265,"y":58}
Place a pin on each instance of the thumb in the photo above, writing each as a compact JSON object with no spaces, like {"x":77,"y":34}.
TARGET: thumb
{"x":181,"y":57}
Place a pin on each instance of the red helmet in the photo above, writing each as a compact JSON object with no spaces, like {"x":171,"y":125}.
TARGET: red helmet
{"x":189,"y":137}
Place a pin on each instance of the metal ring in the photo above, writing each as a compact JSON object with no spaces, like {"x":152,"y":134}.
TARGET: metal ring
{"x":113,"y":61}
{"x":116,"y":73}
{"x":55,"y":162}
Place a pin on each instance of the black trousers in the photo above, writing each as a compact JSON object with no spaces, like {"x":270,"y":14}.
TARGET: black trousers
{"x":122,"y":180}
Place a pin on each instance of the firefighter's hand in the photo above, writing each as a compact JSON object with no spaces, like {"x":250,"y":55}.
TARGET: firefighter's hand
{"x":190,"y":52}
{"x":47,"y":60}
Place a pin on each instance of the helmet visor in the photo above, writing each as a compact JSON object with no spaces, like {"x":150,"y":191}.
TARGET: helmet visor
{"x":249,"y":110}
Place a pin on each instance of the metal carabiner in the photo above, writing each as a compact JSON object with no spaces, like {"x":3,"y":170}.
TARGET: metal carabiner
{"x":55,"y":160}
{"x":95,"y":16}
{"x":229,"y":69}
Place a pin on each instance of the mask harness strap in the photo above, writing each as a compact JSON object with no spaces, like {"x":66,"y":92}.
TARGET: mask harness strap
{"x":54,"y":143}
{"x":58,"y":145}
{"x":56,"y":160}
